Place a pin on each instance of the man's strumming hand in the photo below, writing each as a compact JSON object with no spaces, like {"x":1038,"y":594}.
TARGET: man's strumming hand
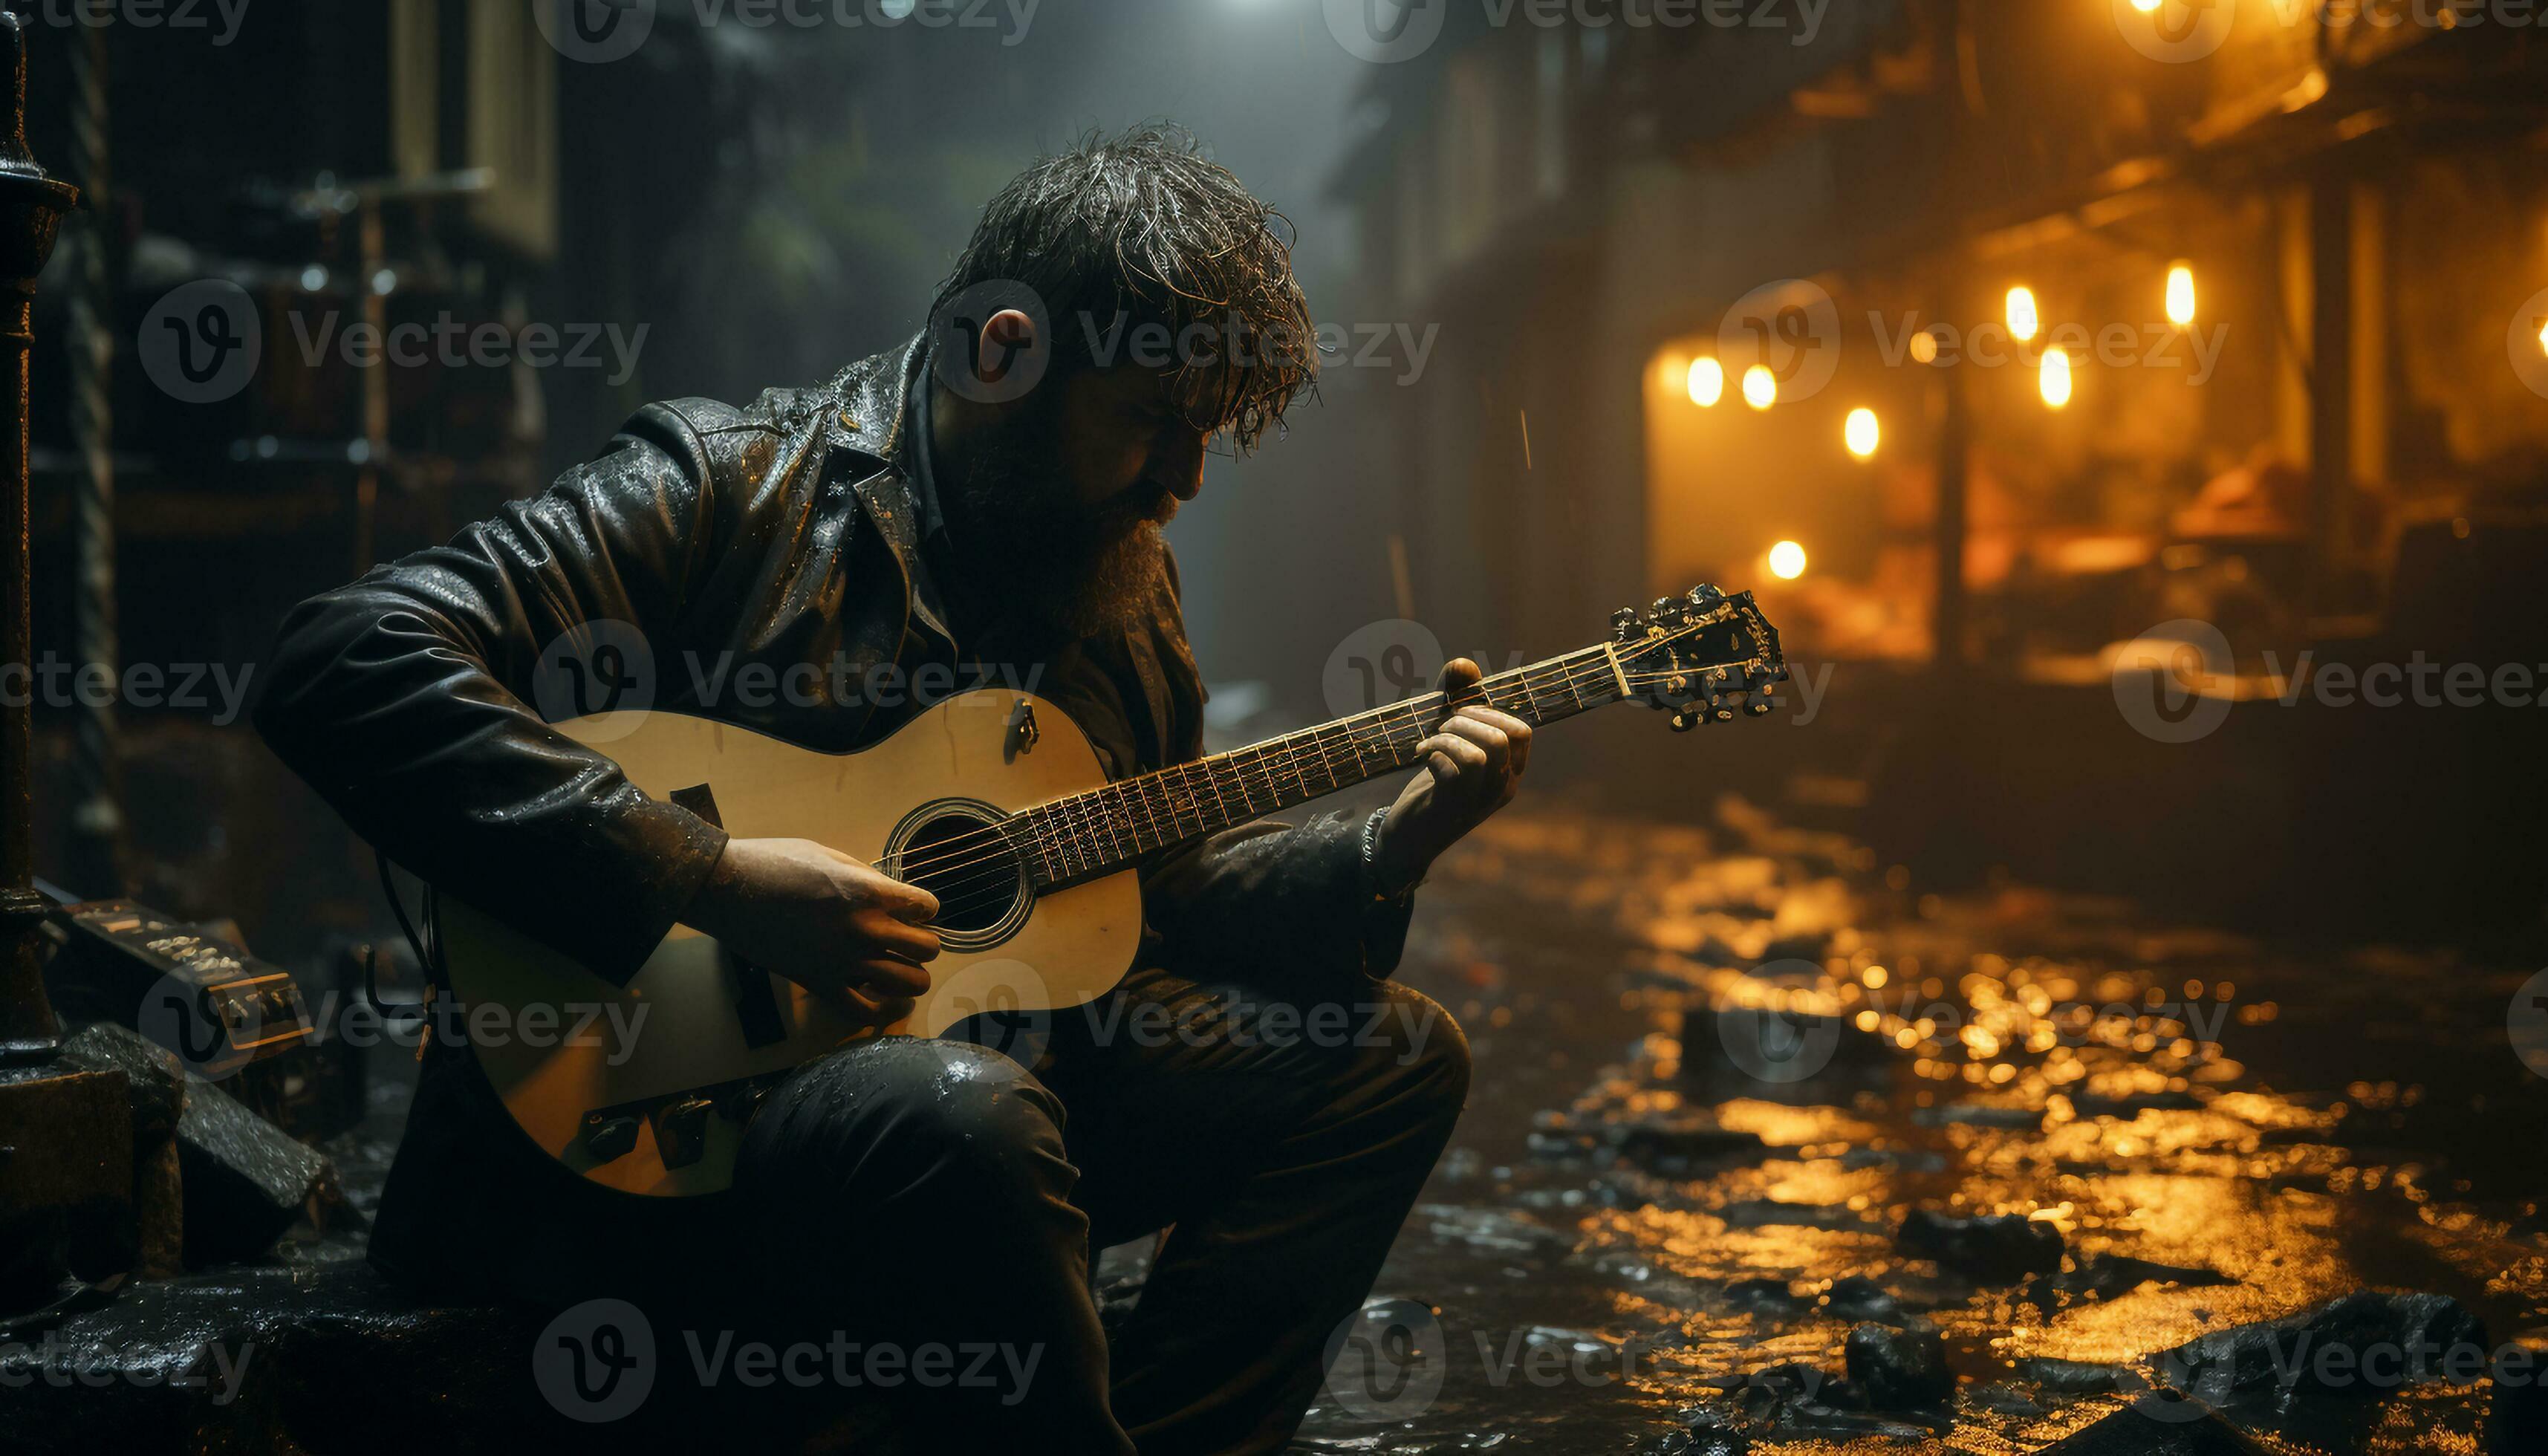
{"x":834,"y":925}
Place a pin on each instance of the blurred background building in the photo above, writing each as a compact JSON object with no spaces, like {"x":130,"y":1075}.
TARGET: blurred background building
{"x":1622,"y":305}
{"x":2244,"y":303}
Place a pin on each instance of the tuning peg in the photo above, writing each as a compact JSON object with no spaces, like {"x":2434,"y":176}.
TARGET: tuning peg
{"x":1758,"y":707}
{"x":1682,"y":722}
{"x":1705,"y":594}
{"x":1623,"y":623}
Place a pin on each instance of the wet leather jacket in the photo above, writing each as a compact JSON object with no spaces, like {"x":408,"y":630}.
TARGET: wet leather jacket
{"x":780,"y":534}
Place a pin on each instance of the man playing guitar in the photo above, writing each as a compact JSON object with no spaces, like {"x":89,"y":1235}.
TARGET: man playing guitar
{"x":926,"y":511}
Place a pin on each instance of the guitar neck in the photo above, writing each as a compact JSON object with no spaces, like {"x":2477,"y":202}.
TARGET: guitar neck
{"x":1108,"y":829}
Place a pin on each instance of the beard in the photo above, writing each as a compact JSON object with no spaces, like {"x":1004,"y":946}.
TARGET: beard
{"x":1030,"y":547}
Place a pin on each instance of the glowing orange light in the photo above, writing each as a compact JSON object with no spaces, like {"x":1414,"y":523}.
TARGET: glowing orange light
{"x":2055,"y":378}
{"x":2023,"y":319}
{"x":1861,"y":433}
{"x":1760,"y":387}
{"x":1706,"y":382}
{"x":1787,"y":561}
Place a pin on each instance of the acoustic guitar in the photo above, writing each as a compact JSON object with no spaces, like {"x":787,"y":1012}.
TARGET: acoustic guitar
{"x":993,"y":802}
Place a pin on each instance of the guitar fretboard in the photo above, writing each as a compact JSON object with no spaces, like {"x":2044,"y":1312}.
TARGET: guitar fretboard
{"x":1107,"y":829}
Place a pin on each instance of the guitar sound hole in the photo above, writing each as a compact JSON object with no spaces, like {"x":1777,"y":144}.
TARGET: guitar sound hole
{"x":956,"y":854}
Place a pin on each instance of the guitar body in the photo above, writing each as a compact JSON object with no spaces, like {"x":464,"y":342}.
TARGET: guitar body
{"x":994,"y":803}
{"x":659,"y":1111}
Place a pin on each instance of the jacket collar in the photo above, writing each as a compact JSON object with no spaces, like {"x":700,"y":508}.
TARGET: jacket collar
{"x":872,"y":404}
{"x":869,"y":404}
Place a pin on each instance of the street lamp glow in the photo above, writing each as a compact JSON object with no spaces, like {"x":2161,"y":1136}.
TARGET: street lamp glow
{"x":2023,"y":319}
{"x":2180,"y":294}
{"x":2148,"y":7}
{"x":1760,"y":387}
{"x":1861,"y":433}
{"x":2055,"y":378}
{"x":1706,"y":382}
{"x":1787,"y":561}
{"x":2543,"y":335}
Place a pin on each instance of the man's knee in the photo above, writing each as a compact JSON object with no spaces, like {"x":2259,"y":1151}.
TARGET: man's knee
{"x":915,"y":1117}
{"x":1425,"y":1051}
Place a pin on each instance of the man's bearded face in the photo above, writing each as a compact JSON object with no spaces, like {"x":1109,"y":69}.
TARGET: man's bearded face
{"x":1058,"y":502}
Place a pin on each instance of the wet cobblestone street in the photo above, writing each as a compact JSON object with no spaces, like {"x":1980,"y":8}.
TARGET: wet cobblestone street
{"x":1718,"y":1069}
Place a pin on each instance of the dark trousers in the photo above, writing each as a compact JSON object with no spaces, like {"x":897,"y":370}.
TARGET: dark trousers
{"x":913,"y":1195}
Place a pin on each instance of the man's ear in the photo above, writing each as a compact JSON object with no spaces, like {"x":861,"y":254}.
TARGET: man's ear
{"x":1006,"y":337}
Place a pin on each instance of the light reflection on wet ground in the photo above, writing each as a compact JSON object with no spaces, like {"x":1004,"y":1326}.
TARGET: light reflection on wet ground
{"x":1627,"y":1225}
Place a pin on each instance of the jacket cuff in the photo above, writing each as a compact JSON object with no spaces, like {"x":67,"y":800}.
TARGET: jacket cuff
{"x":676,"y":850}
{"x":1382,"y":917}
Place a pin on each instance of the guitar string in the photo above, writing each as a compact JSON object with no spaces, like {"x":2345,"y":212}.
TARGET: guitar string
{"x":1278,"y":763}
{"x":1330,"y":740}
{"x":991,"y":878}
{"x":1326,"y":738}
{"x":1588,"y":672}
{"x":988,"y":877}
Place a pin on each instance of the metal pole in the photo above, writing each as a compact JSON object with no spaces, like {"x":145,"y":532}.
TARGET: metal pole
{"x":1955,"y":451}
{"x":30,"y":214}
{"x":95,"y":863}
{"x":2332,"y":264}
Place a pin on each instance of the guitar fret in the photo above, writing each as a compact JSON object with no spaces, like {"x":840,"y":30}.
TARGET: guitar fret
{"x":1111,"y":826}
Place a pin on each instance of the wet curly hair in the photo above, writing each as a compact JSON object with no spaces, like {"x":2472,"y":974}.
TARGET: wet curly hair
{"x":1142,"y":230}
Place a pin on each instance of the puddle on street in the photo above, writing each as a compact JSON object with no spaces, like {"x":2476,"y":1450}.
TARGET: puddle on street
{"x":1717,"y":1070}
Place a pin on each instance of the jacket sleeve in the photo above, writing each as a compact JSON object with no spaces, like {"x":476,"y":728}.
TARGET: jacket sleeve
{"x":406,"y":699}
{"x":1288,"y":900}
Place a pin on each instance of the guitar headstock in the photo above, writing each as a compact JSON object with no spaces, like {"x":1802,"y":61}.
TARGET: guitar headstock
{"x":1703,"y":656}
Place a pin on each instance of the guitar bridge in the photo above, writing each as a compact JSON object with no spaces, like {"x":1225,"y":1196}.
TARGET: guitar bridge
{"x":1022,"y":731}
